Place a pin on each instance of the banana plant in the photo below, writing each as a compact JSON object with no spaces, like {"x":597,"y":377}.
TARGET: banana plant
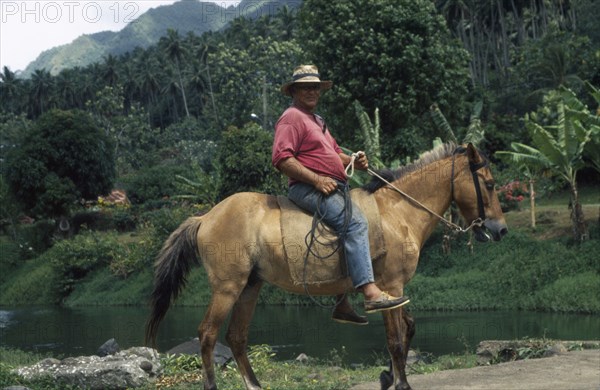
{"x":559,"y":147}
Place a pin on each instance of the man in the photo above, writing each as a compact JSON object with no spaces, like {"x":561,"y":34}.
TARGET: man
{"x":305,"y":151}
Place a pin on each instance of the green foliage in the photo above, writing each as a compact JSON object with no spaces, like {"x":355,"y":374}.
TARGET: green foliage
{"x":152,"y":183}
{"x":248,"y":76}
{"x":397,"y":56}
{"x":370,"y":133}
{"x":33,"y":283}
{"x":64,"y":158}
{"x":202,"y":188}
{"x":174,"y":364}
{"x":73,"y":259}
{"x":13,"y":358}
{"x":245,"y":162}
{"x":560,"y":131}
{"x":35,"y":238}
{"x":551,"y":62}
{"x":572,"y":293}
{"x":10,"y":256}
{"x":527,"y":273}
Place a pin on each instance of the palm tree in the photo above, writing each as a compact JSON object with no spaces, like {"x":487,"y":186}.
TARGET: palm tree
{"x":559,"y":147}
{"x":66,"y":88}
{"x":9,"y":89}
{"x":41,"y":91}
{"x":109,"y":70}
{"x":286,"y":22}
{"x":148,"y":83}
{"x":175,"y":51}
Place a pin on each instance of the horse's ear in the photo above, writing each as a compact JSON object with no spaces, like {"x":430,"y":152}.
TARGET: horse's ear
{"x":473,"y":154}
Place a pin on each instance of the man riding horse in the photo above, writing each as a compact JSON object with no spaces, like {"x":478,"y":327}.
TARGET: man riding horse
{"x":306,"y":152}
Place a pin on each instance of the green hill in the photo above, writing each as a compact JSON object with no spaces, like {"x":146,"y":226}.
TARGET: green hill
{"x":185,"y":16}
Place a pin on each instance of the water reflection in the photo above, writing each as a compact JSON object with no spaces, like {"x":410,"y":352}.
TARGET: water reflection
{"x":289,"y":330}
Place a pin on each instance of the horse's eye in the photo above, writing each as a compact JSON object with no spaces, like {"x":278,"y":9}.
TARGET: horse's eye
{"x":490,"y":185}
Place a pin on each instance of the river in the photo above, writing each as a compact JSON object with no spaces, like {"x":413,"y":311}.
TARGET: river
{"x":289,"y":330}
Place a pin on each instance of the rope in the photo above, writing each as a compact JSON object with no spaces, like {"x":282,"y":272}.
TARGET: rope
{"x":350,"y":166}
{"x":450,"y":224}
{"x":311,"y":238}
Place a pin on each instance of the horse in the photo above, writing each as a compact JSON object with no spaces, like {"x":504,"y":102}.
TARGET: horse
{"x":239,"y":245}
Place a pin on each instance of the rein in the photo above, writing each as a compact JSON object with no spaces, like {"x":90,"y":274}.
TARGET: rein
{"x":477,"y":222}
{"x":311,"y":238}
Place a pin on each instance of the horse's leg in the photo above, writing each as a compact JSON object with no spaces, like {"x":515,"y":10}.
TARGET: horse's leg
{"x":220,"y":304}
{"x":387,"y":377}
{"x":237,"y":333}
{"x":396,"y":329}
{"x":410,"y":332}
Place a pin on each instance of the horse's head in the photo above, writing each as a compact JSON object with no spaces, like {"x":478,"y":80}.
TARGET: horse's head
{"x":475,"y":194}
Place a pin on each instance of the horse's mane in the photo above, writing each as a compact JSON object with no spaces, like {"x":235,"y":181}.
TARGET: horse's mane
{"x":438,"y":153}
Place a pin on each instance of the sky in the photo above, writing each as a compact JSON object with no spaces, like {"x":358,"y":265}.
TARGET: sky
{"x":28,"y":27}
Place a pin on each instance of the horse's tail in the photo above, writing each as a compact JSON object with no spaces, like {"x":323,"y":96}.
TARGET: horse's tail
{"x":170,"y":270}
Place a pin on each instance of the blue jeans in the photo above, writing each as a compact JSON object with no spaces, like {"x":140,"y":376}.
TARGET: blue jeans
{"x":333,"y":212}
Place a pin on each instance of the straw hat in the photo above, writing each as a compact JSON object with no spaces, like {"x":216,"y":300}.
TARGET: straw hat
{"x":305,"y":74}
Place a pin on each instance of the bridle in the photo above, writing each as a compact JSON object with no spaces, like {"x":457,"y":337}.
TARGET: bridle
{"x":473,"y":167}
{"x":478,"y":222}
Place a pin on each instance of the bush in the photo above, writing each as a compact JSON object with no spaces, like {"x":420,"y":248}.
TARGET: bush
{"x":72,"y":259}
{"x":152,"y":184}
{"x":576,"y":294}
{"x":35,"y":238}
{"x":63,"y":158}
{"x":245,"y":162}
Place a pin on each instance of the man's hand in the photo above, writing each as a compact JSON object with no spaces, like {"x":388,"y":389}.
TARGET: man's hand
{"x":326,"y":185}
{"x":361,"y":162}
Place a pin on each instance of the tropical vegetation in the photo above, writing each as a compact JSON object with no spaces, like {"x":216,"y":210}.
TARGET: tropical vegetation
{"x":183,"y":123}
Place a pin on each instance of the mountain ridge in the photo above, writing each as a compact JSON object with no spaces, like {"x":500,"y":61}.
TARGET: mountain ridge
{"x":185,"y":16}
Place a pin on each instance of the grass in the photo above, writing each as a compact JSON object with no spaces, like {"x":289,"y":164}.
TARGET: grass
{"x":553,"y":215}
{"x":183,"y":372}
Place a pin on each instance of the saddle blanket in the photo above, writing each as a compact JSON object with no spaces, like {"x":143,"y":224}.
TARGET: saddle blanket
{"x":328,"y":265}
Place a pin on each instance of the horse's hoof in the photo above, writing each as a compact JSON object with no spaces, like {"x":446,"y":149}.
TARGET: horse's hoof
{"x":403,"y":386}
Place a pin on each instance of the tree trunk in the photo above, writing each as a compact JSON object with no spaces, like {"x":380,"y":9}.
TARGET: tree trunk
{"x":185,"y":105}
{"x":532,"y":202}
{"x":580,"y":232}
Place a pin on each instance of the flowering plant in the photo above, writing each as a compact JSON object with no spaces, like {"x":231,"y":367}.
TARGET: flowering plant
{"x":512,"y":194}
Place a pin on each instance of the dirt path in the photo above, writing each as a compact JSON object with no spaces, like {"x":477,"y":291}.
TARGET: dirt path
{"x":578,"y":370}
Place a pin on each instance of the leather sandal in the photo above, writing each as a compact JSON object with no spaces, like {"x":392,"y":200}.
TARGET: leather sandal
{"x":385,"y":302}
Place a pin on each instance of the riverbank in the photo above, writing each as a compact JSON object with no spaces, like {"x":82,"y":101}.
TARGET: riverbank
{"x":537,"y":269}
{"x":569,"y":367}
{"x":530,"y":270}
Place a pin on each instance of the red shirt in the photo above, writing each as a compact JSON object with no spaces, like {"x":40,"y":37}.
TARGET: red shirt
{"x":301,"y":134}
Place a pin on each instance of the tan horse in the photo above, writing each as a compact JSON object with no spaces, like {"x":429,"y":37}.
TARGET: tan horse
{"x":239,"y":244}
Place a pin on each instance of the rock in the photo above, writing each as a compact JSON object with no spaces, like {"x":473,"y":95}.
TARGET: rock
{"x":16,"y":388}
{"x":146,"y":365}
{"x":221,"y":354}
{"x":492,"y":350}
{"x":503,"y":351}
{"x":556,"y":349}
{"x":130,"y":368}
{"x":302,"y":358}
{"x":110,"y":347}
{"x":412,"y":357}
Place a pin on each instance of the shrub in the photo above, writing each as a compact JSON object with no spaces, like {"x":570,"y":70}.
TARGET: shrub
{"x":152,"y":184}
{"x":35,"y":238}
{"x":72,"y":259}
{"x":63,"y":158}
{"x":245,"y":162}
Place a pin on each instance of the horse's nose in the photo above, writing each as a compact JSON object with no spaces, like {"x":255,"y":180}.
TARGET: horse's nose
{"x":503,"y":231}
